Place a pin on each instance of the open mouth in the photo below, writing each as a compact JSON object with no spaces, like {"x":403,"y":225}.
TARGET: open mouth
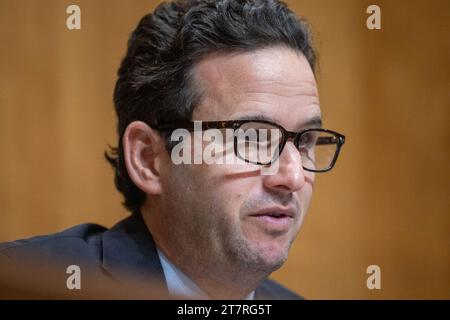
{"x":277,"y":214}
{"x":277,"y":220}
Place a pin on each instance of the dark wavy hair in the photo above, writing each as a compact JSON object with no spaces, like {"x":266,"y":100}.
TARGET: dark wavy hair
{"x":155,"y":83}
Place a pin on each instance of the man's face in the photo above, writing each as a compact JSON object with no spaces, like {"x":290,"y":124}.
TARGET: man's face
{"x":219,"y":215}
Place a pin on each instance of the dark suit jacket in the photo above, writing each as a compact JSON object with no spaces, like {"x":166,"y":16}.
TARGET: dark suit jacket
{"x":119,"y":254}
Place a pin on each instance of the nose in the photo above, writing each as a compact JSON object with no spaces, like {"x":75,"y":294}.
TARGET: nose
{"x":290,"y":176}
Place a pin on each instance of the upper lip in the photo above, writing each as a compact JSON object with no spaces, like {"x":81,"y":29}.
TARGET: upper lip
{"x":288,"y":211}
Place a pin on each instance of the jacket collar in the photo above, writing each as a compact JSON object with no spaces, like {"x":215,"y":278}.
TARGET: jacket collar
{"x":129,"y":252}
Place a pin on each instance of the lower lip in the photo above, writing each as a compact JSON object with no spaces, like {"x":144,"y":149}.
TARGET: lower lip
{"x":282,"y":223}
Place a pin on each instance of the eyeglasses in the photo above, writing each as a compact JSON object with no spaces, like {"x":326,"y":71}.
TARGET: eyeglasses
{"x":261,"y":142}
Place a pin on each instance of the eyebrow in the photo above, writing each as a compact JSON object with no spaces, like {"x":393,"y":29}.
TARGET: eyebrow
{"x":314,"y":122}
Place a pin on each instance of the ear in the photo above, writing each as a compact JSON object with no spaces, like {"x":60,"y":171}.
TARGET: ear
{"x":143,"y":147}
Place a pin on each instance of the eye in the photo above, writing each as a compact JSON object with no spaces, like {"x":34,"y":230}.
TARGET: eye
{"x":308,"y":139}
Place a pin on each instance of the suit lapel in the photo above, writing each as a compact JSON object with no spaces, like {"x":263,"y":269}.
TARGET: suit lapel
{"x":130,"y":252}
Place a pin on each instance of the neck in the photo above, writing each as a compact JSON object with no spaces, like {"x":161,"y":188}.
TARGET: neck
{"x":225,"y":290}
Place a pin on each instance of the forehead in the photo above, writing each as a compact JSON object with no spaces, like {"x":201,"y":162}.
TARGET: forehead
{"x":275,"y":82}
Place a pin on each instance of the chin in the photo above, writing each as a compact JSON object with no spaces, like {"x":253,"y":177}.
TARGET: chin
{"x":262,"y":252}
{"x":272,"y":255}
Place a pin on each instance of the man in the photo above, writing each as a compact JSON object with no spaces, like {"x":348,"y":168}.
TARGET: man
{"x":198,"y":229}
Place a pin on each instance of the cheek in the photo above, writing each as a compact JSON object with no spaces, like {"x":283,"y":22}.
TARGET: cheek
{"x":305,"y":193}
{"x":225,"y":186}
{"x":209,"y":183}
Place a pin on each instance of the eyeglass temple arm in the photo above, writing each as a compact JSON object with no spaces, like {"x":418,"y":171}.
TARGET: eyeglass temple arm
{"x":192,"y":125}
{"x":330,"y":140}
